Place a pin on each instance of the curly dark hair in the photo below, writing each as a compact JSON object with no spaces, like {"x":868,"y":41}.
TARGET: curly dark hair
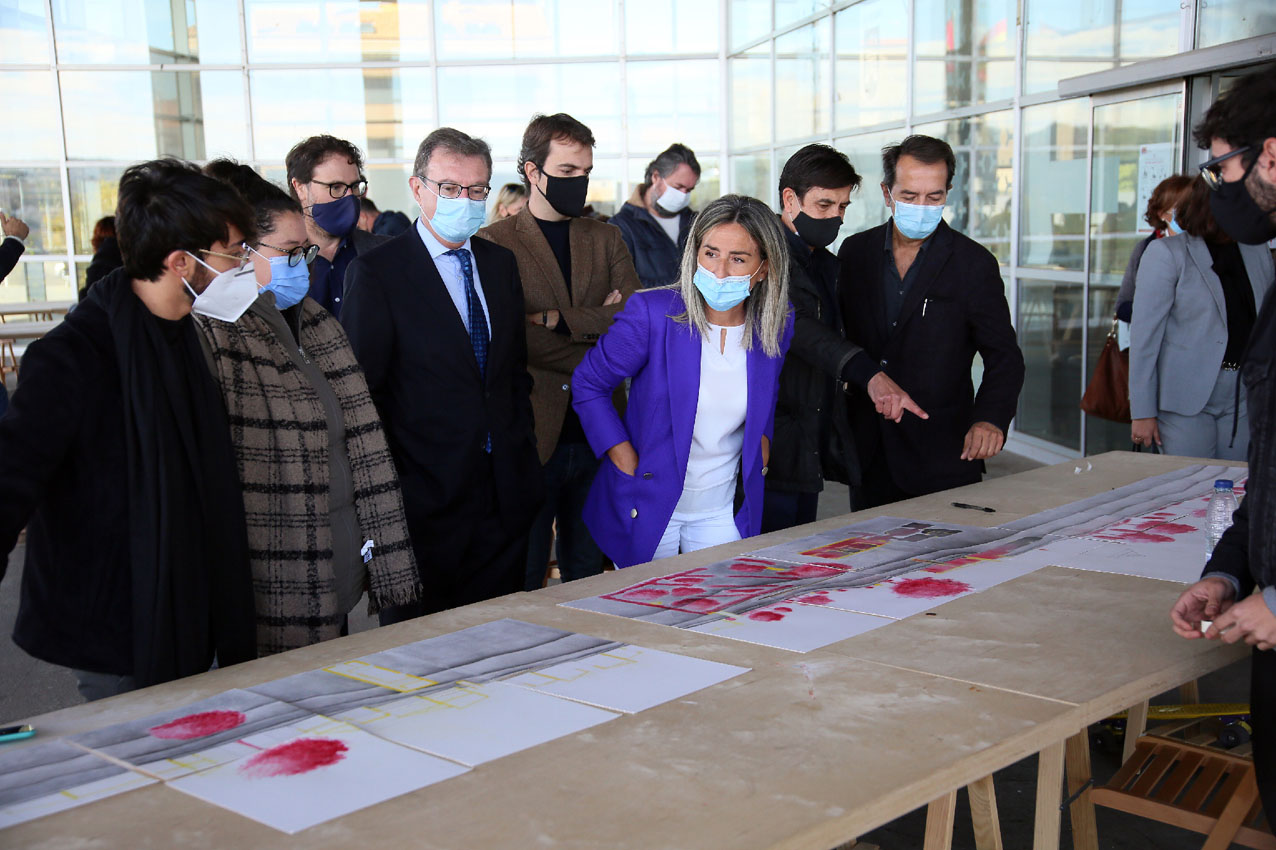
{"x":1244,"y":115}
{"x":306,"y":155}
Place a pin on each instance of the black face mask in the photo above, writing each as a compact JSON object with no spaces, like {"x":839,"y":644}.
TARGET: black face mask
{"x":566,"y":194}
{"x":817,"y":232}
{"x":1239,"y":214}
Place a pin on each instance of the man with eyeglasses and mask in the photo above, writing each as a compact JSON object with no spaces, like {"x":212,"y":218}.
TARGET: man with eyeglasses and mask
{"x":575,"y":272}
{"x":656,"y":220}
{"x":436,"y":319}
{"x":813,"y":440}
{"x":922,"y":300}
{"x":325,"y":174}
{"x":115,"y":456}
{"x":1235,"y":600}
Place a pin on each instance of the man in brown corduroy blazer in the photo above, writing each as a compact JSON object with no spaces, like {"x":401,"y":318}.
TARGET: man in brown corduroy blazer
{"x":576,"y":273}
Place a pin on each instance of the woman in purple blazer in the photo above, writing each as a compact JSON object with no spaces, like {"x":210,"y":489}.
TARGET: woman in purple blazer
{"x":704,"y":355}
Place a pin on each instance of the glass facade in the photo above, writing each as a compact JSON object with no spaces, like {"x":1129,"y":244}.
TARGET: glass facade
{"x":1049,"y":186}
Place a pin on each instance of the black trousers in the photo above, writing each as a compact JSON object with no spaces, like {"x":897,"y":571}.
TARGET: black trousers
{"x":469,"y":555}
{"x":1262,"y":708}
{"x":877,"y":487}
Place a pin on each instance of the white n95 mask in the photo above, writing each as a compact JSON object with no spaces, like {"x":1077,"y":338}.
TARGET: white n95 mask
{"x":228,"y":295}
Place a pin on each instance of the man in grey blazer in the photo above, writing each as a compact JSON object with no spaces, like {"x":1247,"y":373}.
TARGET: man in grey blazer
{"x":1195,"y":300}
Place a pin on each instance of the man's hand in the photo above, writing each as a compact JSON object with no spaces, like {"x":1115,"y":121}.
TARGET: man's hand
{"x":1144,"y":432}
{"x":624,"y":457}
{"x":1205,"y":600}
{"x":548,"y":318}
{"x":1249,"y":620}
{"x":891,"y":401}
{"x":14,"y":226}
{"x":983,"y":440}
{"x":613,"y":297}
{"x":766,"y":451}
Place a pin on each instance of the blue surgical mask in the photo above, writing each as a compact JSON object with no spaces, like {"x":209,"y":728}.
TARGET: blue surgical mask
{"x":917,"y":221}
{"x":456,"y":219}
{"x":722,"y":293}
{"x":289,"y":283}
{"x":1174,"y":225}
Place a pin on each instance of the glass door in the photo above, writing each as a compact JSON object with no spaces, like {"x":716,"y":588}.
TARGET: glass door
{"x":1136,"y":142}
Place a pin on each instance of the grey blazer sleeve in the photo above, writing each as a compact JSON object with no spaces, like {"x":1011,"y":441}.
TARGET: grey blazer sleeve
{"x":1155,"y":283}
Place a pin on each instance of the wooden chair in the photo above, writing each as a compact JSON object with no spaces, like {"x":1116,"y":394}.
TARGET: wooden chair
{"x":1194,"y":787}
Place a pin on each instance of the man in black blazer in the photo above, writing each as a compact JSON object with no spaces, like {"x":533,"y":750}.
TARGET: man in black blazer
{"x":436,"y":318}
{"x":921,"y":299}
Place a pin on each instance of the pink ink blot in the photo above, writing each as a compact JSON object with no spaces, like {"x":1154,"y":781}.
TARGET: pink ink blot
{"x":198,"y":725}
{"x":1175,"y":528}
{"x":699,"y":604}
{"x":930,"y":588}
{"x":811,"y":571}
{"x":646,"y":593}
{"x":686,"y":591}
{"x":816,"y":599}
{"x":1200,"y":512}
{"x":749,"y":568}
{"x":294,"y":758}
{"x":766,"y":616}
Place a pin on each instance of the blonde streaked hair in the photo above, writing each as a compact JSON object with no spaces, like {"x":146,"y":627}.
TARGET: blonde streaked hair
{"x":767,"y":306}
{"x":509,"y":193}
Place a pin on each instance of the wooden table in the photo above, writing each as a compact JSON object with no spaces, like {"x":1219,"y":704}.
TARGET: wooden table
{"x":805,"y":751}
{"x":42,"y":321}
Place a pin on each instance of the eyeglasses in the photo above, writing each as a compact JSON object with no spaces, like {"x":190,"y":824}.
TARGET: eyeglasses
{"x":477,"y":192}
{"x":1212,"y":171}
{"x":339,"y":190}
{"x":239,"y":258}
{"x":297,"y":254}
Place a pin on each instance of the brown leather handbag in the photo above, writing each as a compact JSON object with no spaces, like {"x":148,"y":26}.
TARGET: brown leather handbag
{"x":1108,"y":395}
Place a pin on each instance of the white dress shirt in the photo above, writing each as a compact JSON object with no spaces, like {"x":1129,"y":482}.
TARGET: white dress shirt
{"x":717,"y":437}
{"x":453,"y":277}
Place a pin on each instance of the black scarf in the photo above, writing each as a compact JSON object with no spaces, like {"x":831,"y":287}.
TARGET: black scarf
{"x":191,"y":584}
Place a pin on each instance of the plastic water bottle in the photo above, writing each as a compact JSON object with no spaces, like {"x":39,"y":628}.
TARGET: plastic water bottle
{"x":1219,"y":516}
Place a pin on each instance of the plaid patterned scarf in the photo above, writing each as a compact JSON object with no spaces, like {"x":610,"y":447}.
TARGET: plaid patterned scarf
{"x":280,"y":435}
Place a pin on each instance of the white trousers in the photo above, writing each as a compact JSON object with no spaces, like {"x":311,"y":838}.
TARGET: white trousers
{"x":689,"y":532}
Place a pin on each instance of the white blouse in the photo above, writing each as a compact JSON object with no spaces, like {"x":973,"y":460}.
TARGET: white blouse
{"x":718,"y":435}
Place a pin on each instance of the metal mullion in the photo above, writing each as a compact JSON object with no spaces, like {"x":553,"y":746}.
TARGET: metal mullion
{"x":724,"y":90}
{"x":872,"y":128}
{"x":775,"y":118}
{"x":622,"y":43}
{"x":64,"y":177}
{"x":248,"y":90}
{"x":1085,"y":264}
{"x":972,"y":111}
{"x":832,"y":71}
{"x":910,"y":76}
{"x":1053,"y":275}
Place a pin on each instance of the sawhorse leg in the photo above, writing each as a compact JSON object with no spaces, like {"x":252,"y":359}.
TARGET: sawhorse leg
{"x":939,"y":822}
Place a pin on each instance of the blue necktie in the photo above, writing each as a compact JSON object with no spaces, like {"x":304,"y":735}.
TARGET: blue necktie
{"x":477,"y":322}
{"x":479,"y":338}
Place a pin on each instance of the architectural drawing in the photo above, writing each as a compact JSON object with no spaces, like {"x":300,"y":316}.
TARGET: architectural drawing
{"x":896,"y":567}
{"x":43,"y":778}
{"x":473,"y":723}
{"x":193,"y":737}
{"x":627,"y":678}
{"x":313,"y":771}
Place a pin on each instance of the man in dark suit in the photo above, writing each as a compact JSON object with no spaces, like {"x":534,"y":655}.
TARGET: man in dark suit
{"x":325,"y":174}
{"x":436,"y":318}
{"x":922,"y":299}
{"x":13,"y":231}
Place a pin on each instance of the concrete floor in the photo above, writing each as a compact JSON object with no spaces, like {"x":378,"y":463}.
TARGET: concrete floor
{"x":29,"y":687}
